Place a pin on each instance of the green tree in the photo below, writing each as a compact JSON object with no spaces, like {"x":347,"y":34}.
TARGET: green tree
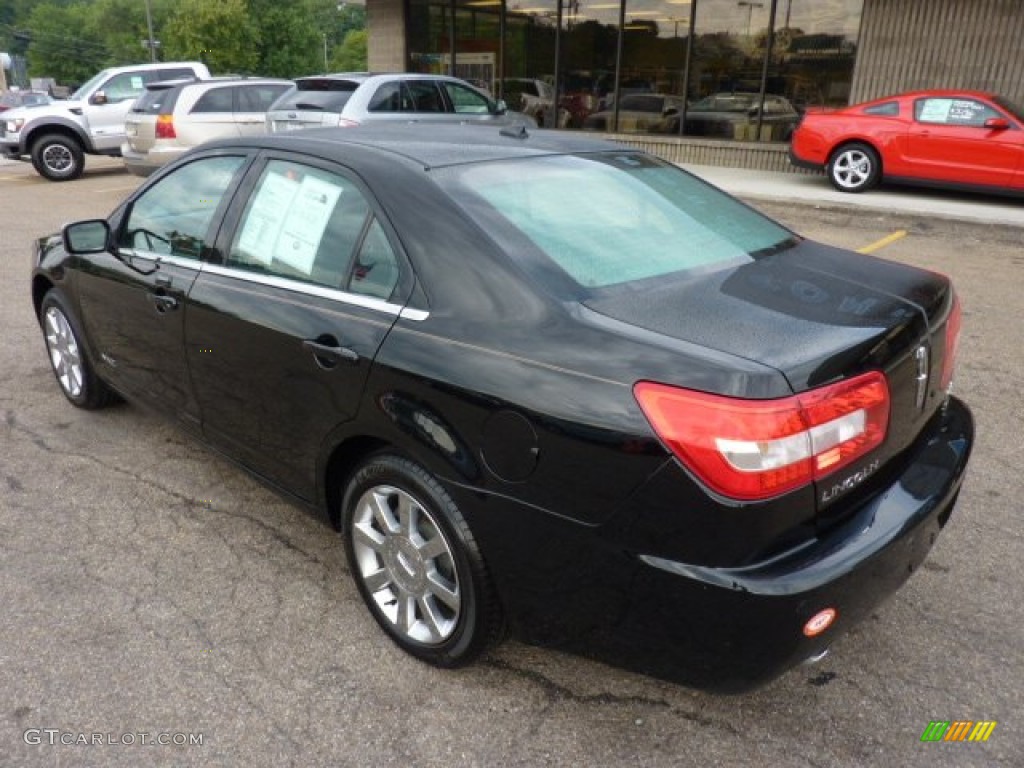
{"x":350,"y":56}
{"x":62,"y":43}
{"x":291,"y":42}
{"x":221,"y":34}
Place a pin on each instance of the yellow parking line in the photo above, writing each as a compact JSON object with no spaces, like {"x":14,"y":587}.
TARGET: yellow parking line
{"x":887,"y":240}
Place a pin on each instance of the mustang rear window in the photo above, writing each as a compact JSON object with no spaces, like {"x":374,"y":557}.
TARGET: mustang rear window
{"x":610,"y":219}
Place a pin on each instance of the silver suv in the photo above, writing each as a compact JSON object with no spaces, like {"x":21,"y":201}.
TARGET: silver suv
{"x":57,"y":136}
{"x":355,"y":98}
{"x":173,"y":116}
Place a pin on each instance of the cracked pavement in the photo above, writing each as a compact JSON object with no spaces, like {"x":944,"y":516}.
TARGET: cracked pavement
{"x":147,"y":585}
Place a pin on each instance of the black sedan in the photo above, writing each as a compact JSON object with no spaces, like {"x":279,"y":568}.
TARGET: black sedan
{"x":540,"y":382}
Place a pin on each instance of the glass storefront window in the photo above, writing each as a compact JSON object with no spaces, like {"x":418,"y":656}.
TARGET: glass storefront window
{"x":745,"y":72}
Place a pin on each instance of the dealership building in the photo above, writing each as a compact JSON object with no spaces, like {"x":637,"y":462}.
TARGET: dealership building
{"x":747,"y":68}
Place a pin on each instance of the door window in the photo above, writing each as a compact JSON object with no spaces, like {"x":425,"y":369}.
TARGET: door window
{"x":425,"y":96}
{"x":375,"y":272}
{"x":301,"y":223}
{"x":466,"y":100}
{"x":258,"y":98}
{"x":961,"y":112}
{"x":173,"y":216}
{"x":214,"y":100}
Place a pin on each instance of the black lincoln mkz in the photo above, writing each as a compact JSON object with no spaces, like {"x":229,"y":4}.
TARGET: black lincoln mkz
{"x":539,"y":381}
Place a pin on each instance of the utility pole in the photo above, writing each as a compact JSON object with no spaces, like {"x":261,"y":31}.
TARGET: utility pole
{"x":150,"y":43}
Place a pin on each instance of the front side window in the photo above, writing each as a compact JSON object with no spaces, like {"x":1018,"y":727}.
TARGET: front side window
{"x":128,"y":85}
{"x":304,"y":223}
{"x":953,"y":111}
{"x":173,"y":216}
{"x":466,"y":100}
{"x":638,"y":218}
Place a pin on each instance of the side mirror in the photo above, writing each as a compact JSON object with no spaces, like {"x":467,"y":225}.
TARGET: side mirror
{"x":997,"y":124}
{"x":99,"y":98}
{"x":90,"y":236}
{"x":670,"y":111}
{"x":500,"y":107}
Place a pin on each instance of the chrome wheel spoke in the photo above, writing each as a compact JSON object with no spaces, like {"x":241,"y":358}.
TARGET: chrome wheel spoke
{"x":377,"y":580}
{"x":407,"y":614}
{"x":382,"y":513}
{"x":64,"y":355}
{"x":436,"y":624}
{"x":434,"y":548}
{"x":439,"y":588}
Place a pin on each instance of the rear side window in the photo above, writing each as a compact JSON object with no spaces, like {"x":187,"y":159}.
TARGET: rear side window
{"x":321,"y":94}
{"x":305,"y":224}
{"x":390,"y":97}
{"x":888,"y":109}
{"x":215,"y":100}
{"x":609,"y":219}
{"x":157,"y":101}
{"x":425,"y":96}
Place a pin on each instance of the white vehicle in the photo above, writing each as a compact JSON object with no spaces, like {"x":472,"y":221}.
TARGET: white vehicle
{"x":56,"y":137}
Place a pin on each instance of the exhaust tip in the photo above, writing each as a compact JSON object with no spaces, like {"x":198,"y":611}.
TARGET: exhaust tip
{"x":816,"y":657}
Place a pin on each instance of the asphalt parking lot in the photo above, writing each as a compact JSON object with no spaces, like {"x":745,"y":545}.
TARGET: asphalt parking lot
{"x":151,"y":589}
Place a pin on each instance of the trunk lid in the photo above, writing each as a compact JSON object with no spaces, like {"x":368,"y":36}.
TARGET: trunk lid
{"x":817,"y":315}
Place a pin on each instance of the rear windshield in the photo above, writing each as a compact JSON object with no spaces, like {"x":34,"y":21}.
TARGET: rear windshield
{"x":596,"y":221}
{"x":156,"y":101}
{"x":320,"y":94}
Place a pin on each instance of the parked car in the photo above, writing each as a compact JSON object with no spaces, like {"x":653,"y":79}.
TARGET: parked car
{"x":734,"y":116}
{"x":638,"y":113}
{"x":355,"y":98}
{"x":13,"y":99}
{"x":535,"y":98}
{"x":57,"y":136}
{"x":173,"y":116}
{"x":946,"y":138}
{"x":537,"y":380}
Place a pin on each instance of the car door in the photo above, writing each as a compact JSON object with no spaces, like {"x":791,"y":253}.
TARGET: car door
{"x":133,"y":299}
{"x":281,"y":334}
{"x":948,"y":141}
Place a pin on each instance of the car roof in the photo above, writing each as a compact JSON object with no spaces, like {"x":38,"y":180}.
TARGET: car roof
{"x":431,"y":145}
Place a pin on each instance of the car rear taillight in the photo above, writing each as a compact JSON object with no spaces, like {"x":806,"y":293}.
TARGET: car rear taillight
{"x":165,"y":127}
{"x":756,"y":449}
{"x":953,"y":323}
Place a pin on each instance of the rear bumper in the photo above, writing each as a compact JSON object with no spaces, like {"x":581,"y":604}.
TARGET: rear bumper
{"x":801,"y":163}
{"x":730,"y":629}
{"x":145,"y":163}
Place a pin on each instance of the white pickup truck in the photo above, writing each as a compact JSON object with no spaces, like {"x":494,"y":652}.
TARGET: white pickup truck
{"x":57,"y":136}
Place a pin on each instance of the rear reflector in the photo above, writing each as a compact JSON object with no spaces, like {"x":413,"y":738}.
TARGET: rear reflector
{"x":756,"y":449}
{"x":165,"y":127}
{"x":819,"y":622}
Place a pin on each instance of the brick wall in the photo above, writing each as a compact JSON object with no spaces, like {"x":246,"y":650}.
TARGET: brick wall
{"x":386,"y":43}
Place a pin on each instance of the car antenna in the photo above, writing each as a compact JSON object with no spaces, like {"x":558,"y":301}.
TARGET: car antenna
{"x":515,"y":131}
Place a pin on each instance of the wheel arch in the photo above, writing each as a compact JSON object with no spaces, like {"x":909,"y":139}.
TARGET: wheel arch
{"x":57,"y":126}
{"x":848,"y":140}
{"x":40,"y":287}
{"x":342,"y":461}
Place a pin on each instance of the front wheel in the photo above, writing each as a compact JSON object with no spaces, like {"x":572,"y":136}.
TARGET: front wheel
{"x":58,"y":157}
{"x":416,"y":563}
{"x":78,"y":381}
{"x":854,"y":168}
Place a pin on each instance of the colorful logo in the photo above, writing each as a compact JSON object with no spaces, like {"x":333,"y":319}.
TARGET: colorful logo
{"x":958,"y":730}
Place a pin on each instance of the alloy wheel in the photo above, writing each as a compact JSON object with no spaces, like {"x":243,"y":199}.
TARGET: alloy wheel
{"x":64,"y":352}
{"x":852,"y":169}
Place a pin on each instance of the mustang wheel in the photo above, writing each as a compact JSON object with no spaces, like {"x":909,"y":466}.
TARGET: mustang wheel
{"x":417,"y":564}
{"x":58,"y":157}
{"x":854,"y":168}
{"x":71,"y":366}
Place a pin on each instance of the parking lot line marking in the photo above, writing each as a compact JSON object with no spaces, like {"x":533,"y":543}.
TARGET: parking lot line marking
{"x":899,"y":234}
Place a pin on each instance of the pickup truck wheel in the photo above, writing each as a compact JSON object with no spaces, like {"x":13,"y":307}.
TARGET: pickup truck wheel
{"x":57,"y":157}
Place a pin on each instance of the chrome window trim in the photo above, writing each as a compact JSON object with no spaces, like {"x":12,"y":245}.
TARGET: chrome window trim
{"x":322,"y":292}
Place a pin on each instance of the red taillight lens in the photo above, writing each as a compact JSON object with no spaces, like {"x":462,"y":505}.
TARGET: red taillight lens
{"x":757,"y":449}
{"x":953,"y":324}
{"x":165,"y":127}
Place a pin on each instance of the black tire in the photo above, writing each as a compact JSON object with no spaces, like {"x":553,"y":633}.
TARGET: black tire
{"x":68,"y":358}
{"x":416,"y":563}
{"x":58,"y":157}
{"x":854,"y":167}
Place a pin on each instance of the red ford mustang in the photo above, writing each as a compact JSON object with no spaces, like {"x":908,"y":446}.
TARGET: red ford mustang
{"x":953,"y":139}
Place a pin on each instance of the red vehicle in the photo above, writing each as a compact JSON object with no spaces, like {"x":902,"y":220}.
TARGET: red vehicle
{"x":954,"y":139}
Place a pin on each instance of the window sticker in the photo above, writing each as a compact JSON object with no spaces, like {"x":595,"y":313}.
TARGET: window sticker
{"x":137,"y":84}
{"x":304,"y":224}
{"x":935,"y":110}
{"x":286,"y":220}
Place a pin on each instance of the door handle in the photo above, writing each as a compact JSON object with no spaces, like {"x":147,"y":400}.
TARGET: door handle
{"x":163,"y":303}
{"x":332,"y":352}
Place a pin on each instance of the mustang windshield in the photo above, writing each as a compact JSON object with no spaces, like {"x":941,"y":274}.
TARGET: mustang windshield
{"x":612,"y":218}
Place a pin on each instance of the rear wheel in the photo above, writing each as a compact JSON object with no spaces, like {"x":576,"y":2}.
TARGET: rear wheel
{"x":78,"y":381}
{"x":854,"y":168}
{"x":416,"y":563}
{"x":58,"y":157}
